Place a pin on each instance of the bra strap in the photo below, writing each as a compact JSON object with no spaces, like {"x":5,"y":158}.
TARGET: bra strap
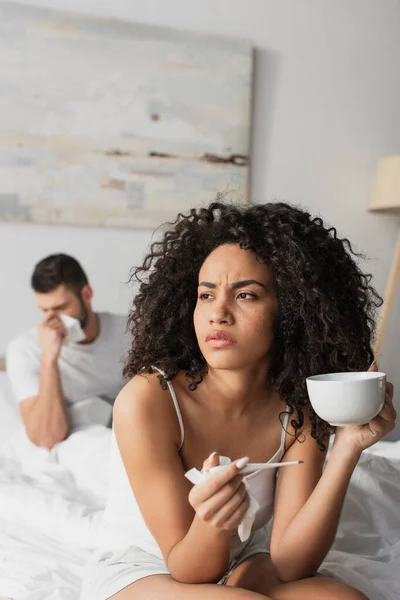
{"x":176,"y":404}
{"x":284,"y":428}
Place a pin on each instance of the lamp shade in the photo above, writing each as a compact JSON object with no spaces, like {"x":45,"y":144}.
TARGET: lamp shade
{"x":386,"y":190}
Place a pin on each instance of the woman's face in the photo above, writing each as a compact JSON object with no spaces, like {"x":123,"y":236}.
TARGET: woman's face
{"x":236,"y":308}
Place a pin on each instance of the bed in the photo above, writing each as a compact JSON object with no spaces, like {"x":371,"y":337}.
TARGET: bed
{"x":51,"y":505}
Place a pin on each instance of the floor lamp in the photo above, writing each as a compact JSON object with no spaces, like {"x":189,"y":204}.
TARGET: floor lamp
{"x":386,"y":199}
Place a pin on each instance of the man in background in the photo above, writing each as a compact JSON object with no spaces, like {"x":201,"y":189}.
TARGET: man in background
{"x":67,"y":372}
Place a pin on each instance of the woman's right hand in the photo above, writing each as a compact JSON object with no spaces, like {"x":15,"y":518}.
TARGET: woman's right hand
{"x":222,"y":500}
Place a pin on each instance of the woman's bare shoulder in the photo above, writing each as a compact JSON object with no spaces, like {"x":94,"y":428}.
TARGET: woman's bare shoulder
{"x":144,"y":404}
{"x":141,"y":388}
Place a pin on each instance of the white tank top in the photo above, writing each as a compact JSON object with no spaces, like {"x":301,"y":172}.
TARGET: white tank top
{"x":123,"y":525}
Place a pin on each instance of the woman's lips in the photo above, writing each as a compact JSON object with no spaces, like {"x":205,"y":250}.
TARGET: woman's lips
{"x":218,"y":339}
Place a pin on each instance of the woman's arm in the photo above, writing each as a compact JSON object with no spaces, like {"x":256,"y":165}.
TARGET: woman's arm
{"x":308,"y":504}
{"x":308,"y":507}
{"x":147,"y":432}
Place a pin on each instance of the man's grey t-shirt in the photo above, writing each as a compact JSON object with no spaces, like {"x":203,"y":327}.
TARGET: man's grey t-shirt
{"x":91,"y":374}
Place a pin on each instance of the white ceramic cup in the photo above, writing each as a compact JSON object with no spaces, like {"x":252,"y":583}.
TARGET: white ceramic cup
{"x":344,"y":399}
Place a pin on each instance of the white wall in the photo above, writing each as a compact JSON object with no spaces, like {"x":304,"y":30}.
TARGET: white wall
{"x":326,"y":107}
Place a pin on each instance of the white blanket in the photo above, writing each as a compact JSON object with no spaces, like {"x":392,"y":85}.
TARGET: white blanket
{"x":10,"y":419}
{"x":50,"y":507}
{"x":51,"y":504}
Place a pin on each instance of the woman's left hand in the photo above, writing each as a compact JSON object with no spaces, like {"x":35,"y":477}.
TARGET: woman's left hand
{"x":361,"y":437}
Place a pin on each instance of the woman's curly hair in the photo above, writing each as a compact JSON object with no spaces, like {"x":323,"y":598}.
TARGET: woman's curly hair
{"x":326,"y":306}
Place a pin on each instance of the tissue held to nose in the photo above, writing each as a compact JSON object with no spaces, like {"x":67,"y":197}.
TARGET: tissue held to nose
{"x":75,"y":333}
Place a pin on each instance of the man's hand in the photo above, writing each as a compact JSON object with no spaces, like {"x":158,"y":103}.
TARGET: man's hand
{"x":51,"y":336}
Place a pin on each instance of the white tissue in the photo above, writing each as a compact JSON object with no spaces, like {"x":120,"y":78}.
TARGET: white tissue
{"x":195,"y":476}
{"x":75,"y":333}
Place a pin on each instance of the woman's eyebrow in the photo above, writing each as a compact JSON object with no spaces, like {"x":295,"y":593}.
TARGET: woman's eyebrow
{"x":235,"y":285}
{"x":207,"y":284}
{"x":239,"y":284}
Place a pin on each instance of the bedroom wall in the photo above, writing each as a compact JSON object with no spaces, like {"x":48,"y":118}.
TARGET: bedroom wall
{"x":326,"y":107}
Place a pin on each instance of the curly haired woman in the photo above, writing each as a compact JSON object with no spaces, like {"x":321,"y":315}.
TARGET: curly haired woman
{"x":236,"y":307}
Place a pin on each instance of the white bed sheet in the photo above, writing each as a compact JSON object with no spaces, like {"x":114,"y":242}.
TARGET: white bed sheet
{"x":10,"y":419}
{"x":51,"y":505}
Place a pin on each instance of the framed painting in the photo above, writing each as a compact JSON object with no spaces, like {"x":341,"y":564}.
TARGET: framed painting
{"x":117,"y":124}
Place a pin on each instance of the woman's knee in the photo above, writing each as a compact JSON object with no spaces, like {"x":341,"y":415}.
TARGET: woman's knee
{"x":333,"y":590}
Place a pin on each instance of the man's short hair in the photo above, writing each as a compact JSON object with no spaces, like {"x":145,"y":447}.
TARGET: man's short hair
{"x":58,"y":269}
